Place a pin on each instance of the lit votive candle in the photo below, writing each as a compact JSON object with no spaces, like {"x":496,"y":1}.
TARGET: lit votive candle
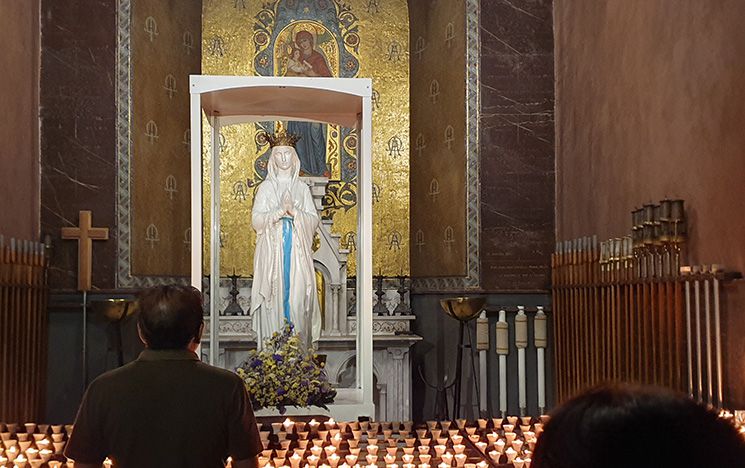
{"x":351,"y":459}
{"x":512,"y":420}
{"x":518,"y":463}
{"x":288,"y":424}
{"x":459,"y":448}
{"x":482,"y":424}
{"x":371,"y":459}
{"x":423,"y":449}
{"x":278,"y":462}
{"x":510,"y":436}
{"x":447,"y":457}
{"x":443,"y":465}
{"x":58,"y":446}
{"x":482,"y":446}
{"x":329,"y":449}
{"x":392,"y":465}
{"x":317,"y":443}
{"x":316,"y":450}
{"x":295,"y":460}
{"x":313,"y":424}
{"x":389,"y":459}
{"x":410,"y":441}
{"x":494,"y":455}
{"x":425,"y":458}
{"x":392,"y":450}
{"x":445,"y":425}
{"x":482,"y":464}
{"x":440,"y":449}
{"x":313,"y":460}
{"x":323,"y":435}
{"x":353,"y":443}
{"x":474,"y":438}
{"x":509,"y":428}
{"x":470,"y":430}
{"x":421,"y":433}
{"x":423,"y":465}
{"x":425,"y":441}
{"x":45,"y":455}
{"x":333,"y":460}
{"x":436,"y":433}
{"x":460,"y":459}
{"x":330,"y":424}
{"x":457,"y":439}
{"x":517,"y":444}
{"x":32,"y":453}
{"x":372,"y":449}
{"x":511,"y":454}
{"x":409,"y":465}
{"x":499,"y":446}
{"x":407,"y":458}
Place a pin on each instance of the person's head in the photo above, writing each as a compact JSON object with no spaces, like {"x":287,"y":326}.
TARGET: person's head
{"x":170,"y":317}
{"x":295,"y":54}
{"x":623,"y":426}
{"x":284,"y":159}
{"x":304,"y":41}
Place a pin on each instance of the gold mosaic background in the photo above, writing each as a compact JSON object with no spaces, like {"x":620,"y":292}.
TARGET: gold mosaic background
{"x":165,"y":41}
{"x":228,"y":49}
{"x":438,"y":139}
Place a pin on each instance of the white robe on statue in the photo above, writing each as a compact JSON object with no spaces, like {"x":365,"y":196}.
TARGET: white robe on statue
{"x":267,"y":294}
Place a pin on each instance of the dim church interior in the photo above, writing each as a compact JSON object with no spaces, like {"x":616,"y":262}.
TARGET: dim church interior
{"x":576,"y":165}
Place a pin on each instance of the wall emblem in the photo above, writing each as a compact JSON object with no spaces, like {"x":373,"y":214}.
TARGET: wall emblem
{"x":394,"y":240}
{"x":449,"y":34}
{"x":187,"y":40}
{"x":394,"y":51}
{"x":151,"y":27}
{"x":151,"y":235}
{"x":170,"y":187}
{"x":434,"y":91}
{"x":151,"y":131}
{"x":419,"y":144}
{"x":169,"y":84}
{"x":449,"y":239}
{"x":434,"y":189}
{"x":217,"y":46}
{"x":419,"y":47}
{"x":395,"y":145}
{"x":449,"y":136}
{"x":419,"y":240}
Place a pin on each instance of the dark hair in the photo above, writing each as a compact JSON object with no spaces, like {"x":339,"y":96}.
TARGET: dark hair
{"x":170,"y":316}
{"x":623,"y":426}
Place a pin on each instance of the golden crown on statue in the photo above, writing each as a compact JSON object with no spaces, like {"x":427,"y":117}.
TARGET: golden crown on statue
{"x":282,"y":138}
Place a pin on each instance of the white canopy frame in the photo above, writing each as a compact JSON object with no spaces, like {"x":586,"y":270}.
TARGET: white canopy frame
{"x":228,"y":100}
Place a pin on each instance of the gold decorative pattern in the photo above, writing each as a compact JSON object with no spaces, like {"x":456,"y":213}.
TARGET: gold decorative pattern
{"x":237,"y":37}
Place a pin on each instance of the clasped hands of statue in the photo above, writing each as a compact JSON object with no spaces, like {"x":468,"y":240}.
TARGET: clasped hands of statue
{"x":287,"y":209}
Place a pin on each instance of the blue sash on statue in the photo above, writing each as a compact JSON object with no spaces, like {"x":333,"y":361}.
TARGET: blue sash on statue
{"x":286,"y":264}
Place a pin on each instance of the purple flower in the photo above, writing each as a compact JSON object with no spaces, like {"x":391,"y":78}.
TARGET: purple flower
{"x":256,"y":363}
{"x":277,"y":358}
{"x":281,"y":391}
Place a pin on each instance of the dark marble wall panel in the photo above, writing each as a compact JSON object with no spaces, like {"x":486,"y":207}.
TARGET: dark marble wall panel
{"x":516,"y":144}
{"x":78,"y":135}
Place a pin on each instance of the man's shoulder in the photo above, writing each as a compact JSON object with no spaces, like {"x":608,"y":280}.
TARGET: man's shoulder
{"x":218,"y":374}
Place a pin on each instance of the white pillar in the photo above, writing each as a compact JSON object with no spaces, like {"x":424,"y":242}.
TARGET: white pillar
{"x":540,"y":337}
{"x":215,"y":242}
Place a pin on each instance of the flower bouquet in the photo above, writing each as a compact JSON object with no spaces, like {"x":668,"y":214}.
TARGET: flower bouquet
{"x":285,"y":373}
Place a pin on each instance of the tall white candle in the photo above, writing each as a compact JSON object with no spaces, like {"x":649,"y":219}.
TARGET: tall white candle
{"x":521,"y":342}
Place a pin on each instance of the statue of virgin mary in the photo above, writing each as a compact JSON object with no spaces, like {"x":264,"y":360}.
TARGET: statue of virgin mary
{"x":285,"y":220}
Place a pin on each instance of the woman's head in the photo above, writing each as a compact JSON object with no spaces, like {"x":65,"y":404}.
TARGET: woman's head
{"x":623,"y":426}
{"x":284,"y":159}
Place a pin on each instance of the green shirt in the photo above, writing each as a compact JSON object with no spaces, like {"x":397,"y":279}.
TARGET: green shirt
{"x":166,"y":409}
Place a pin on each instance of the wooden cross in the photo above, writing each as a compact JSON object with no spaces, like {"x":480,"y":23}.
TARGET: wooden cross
{"x":85,"y":234}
